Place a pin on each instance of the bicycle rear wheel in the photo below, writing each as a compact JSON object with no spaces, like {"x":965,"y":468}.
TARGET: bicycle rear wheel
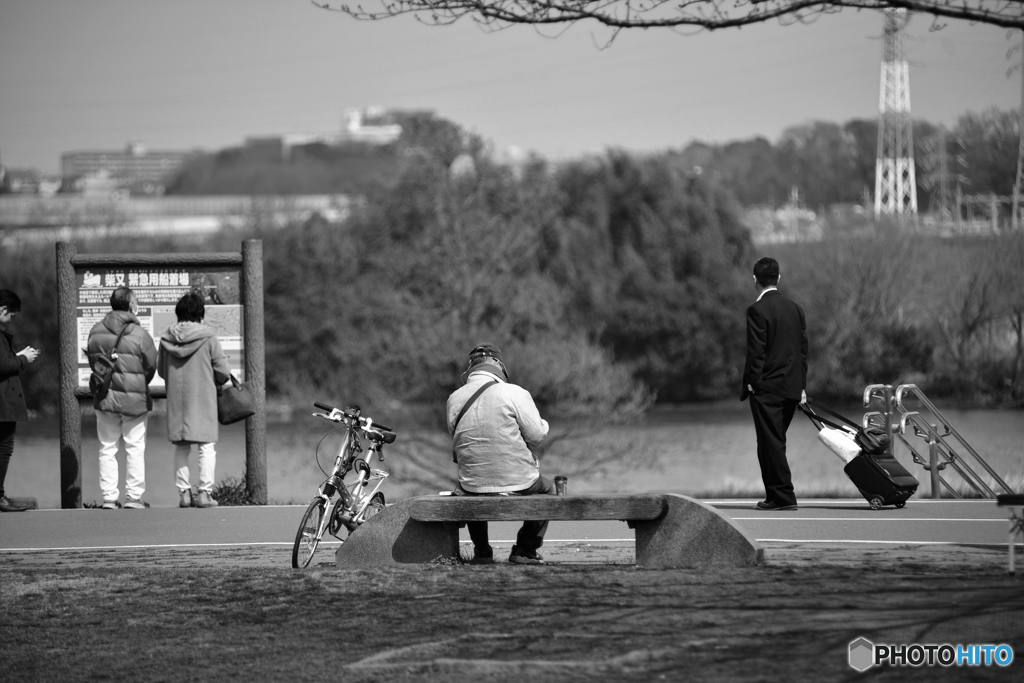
{"x":376,"y":505}
{"x":307,"y":539}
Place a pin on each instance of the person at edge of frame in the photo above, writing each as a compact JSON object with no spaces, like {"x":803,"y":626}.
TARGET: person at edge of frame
{"x":12,"y":395}
{"x":491,"y":445}
{"x":774,"y":379}
{"x":123,"y":414}
{"x":193,"y":364}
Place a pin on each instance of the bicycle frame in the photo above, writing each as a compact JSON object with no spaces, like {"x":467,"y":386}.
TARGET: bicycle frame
{"x":360,"y":497}
{"x":353,"y":499}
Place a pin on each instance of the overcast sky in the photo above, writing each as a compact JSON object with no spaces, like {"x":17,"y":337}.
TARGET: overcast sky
{"x":78,"y":75}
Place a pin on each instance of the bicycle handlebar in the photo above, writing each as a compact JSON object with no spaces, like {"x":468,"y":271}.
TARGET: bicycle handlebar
{"x":353,"y":412}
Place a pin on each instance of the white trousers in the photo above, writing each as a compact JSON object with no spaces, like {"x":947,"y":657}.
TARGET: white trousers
{"x":111,"y":428}
{"x":207,"y":464}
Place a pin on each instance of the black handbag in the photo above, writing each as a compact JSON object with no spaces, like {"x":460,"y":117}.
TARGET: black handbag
{"x":102,"y":366}
{"x":235,"y":402}
{"x":872,"y":440}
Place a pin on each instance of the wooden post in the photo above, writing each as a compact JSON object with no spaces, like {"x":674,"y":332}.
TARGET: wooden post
{"x":255,"y":426}
{"x":70,"y":411}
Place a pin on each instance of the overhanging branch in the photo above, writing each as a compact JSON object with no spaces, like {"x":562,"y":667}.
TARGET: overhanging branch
{"x":700,"y":14}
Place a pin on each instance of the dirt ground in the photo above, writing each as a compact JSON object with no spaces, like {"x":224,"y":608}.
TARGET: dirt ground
{"x":588,"y":615}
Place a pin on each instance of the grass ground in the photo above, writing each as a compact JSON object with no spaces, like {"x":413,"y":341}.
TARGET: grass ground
{"x":163,"y":615}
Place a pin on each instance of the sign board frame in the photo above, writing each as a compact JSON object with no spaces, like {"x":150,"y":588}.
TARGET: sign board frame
{"x":74,"y":301}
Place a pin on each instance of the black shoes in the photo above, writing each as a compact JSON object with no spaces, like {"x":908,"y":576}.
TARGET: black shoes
{"x":482,"y":556}
{"x":763,"y":505}
{"x":8,"y":505}
{"x":525,"y":556}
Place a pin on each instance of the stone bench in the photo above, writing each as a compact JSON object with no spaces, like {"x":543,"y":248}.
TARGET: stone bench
{"x":671,"y":530}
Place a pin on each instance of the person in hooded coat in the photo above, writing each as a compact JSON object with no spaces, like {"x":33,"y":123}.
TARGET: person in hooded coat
{"x":193,"y":365}
{"x":122,"y":414}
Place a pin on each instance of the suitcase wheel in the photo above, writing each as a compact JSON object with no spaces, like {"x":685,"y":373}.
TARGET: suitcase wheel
{"x":876,"y":503}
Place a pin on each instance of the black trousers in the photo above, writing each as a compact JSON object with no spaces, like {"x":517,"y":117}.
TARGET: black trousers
{"x":772,"y":416}
{"x":7,"y":430}
{"x":531,"y":534}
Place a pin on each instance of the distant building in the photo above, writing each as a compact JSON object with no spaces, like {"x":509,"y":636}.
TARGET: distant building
{"x":374,"y":125}
{"x":135,"y":168}
{"x":789,"y":223}
{"x":99,"y":184}
{"x":792,"y":222}
{"x":27,"y":181}
{"x":19,"y":181}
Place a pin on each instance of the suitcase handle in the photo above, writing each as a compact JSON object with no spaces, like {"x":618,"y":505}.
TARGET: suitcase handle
{"x":806,"y":410}
{"x":819,"y":422}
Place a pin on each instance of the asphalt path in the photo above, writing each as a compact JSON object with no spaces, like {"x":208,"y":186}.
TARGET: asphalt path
{"x":921,"y":522}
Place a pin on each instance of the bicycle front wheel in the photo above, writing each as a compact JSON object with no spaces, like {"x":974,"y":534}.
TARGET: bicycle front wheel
{"x":307,"y":539}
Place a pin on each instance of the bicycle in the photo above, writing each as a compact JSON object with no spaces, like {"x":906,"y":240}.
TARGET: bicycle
{"x":355,"y":503}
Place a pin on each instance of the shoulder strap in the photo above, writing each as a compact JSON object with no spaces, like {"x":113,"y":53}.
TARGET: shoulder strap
{"x":120,"y":336}
{"x":465,"y":407}
{"x":472,"y":399}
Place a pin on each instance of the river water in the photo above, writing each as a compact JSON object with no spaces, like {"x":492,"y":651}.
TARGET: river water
{"x":706,"y":450}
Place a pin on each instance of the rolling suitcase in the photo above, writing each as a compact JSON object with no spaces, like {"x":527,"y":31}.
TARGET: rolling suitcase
{"x":879,"y":477}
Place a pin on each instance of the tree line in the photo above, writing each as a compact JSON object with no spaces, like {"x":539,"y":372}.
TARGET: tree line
{"x":609,"y":282}
{"x":834,"y":163}
{"x":828,"y":162}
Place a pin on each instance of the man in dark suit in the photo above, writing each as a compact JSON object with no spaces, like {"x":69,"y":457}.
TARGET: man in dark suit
{"x":774,"y":378}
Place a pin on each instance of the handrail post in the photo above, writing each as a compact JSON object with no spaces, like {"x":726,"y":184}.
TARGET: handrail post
{"x":933,"y":461}
{"x":883,"y":392}
{"x":887,"y":396}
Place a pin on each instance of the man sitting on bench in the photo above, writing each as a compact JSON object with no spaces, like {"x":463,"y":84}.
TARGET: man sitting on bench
{"x":493,"y":423}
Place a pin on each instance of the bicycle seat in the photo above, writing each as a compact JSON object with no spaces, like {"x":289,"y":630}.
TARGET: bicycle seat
{"x":384,"y":437}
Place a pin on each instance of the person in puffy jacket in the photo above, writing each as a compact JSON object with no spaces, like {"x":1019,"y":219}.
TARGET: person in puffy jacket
{"x":123,"y":413}
{"x":193,"y":365}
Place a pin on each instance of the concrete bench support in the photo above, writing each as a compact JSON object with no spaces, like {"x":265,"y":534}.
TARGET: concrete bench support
{"x":1016,"y":504}
{"x":671,"y":530}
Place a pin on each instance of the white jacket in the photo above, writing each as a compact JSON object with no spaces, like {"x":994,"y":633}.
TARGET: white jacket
{"x":491,"y":440}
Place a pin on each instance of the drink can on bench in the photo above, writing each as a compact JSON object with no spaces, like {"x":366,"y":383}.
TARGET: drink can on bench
{"x":560,"y":484}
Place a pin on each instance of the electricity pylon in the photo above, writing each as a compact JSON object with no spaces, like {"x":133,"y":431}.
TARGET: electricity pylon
{"x":937,"y":174}
{"x":895,"y":184}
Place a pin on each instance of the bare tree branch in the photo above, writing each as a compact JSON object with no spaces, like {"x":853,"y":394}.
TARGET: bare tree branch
{"x":699,"y":14}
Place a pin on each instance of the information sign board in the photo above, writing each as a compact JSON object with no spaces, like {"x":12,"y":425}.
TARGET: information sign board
{"x":157,"y":289}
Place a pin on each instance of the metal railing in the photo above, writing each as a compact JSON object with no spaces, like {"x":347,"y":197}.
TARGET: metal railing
{"x":946,"y":446}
